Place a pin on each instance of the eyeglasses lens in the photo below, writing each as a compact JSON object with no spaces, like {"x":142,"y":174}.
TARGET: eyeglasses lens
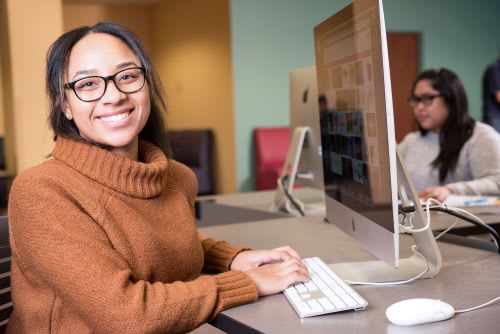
{"x":93,"y":88}
{"x":425,"y":99}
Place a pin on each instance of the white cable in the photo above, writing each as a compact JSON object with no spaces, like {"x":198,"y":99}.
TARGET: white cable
{"x":446,"y":231}
{"x":479,"y":306}
{"x":410,"y":229}
{"x":467,"y":213}
{"x":414,"y":249}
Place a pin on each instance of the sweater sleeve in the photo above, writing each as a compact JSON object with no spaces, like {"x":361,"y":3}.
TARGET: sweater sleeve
{"x":483,"y":156}
{"x":59,"y":247}
{"x":218,"y":254}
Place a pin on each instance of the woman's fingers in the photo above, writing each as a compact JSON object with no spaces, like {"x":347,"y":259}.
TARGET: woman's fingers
{"x":275,"y":277}
{"x":438,"y":193}
{"x":289,"y":250}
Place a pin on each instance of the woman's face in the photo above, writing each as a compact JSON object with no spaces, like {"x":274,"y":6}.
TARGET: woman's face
{"x":431,"y":110}
{"x":116,"y":119}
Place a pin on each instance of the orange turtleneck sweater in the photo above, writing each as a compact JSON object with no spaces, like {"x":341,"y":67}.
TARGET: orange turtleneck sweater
{"x":104,"y":244}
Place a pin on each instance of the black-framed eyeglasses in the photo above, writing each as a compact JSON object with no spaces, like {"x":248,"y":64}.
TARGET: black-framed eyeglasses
{"x":425,"y":99}
{"x":92,"y":88}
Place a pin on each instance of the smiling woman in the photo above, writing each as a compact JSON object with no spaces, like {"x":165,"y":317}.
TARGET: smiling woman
{"x":103,"y":235}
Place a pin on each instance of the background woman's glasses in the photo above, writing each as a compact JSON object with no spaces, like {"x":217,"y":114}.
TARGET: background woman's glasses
{"x":425,"y":99}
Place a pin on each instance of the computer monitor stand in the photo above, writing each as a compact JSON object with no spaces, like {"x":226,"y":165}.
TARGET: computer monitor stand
{"x":291,"y":174}
{"x":379,"y":271}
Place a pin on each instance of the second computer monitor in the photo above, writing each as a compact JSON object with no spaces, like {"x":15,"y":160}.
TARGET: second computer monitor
{"x":303,"y":164}
{"x":304,"y":114}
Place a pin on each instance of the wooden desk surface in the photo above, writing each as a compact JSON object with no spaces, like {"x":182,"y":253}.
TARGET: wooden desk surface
{"x":469,"y":277}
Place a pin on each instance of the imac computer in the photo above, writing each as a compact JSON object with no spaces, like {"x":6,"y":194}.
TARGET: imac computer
{"x":361,"y":164}
{"x":303,"y":164}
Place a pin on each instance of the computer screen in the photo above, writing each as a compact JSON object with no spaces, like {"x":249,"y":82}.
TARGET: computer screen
{"x":361,"y":166}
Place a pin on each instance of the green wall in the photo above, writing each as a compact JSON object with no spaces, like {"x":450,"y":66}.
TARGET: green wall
{"x":272,"y":37}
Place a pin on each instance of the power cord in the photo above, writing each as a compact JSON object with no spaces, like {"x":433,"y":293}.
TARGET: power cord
{"x":411,"y":229}
{"x":445,"y":231}
{"x":457,"y":212}
{"x":469,"y":217}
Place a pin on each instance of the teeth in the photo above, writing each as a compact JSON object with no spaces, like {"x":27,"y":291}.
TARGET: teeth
{"x":114,"y":118}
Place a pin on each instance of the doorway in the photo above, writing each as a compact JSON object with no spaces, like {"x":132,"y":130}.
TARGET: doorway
{"x":404,"y":63}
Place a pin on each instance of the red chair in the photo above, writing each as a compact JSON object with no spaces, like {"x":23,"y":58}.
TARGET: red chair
{"x":271,"y":147}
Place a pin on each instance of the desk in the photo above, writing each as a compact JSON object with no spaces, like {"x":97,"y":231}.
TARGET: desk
{"x":258,"y":206}
{"x":469,"y":277}
{"x":263,"y":200}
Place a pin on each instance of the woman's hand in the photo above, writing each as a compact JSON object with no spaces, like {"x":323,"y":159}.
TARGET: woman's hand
{"x":271,"y":270}
{"x":438,"y":193}
{"x":251,"y":259}
{"x":276,"y":277}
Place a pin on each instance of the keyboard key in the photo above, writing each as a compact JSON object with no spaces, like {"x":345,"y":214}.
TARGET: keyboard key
{"x":296,"y":298}
{"x":311,"y":286}
{"x":300,"y":288}
{"x":305,"y":296}
{"x":327,"y":305}
{"x":348,"y":300}
{"x":337,"y":302}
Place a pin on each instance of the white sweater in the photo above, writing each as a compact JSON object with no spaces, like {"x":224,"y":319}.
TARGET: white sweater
{"x":478,"y":168}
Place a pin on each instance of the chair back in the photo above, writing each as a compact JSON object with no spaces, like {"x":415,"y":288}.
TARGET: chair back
{"x":270,"y":148}
{"x":5,"y":258}
{"x":195,"y":149}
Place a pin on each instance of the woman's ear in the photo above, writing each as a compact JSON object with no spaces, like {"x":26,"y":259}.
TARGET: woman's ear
{"x":67,"y":110}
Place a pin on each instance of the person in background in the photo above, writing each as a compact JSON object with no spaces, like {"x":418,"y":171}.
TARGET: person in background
{"x":103,"y":234}
{"x":491,"y":94}
{"x":450,"y":153}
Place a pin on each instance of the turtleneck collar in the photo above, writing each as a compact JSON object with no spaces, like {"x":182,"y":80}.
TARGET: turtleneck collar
{"x":144,"y":179}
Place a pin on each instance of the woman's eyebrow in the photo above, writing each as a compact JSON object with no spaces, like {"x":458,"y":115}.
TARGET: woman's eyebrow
{"x":90,"y":71}
{"x":94,"y":71}
{"x":126,"y":64}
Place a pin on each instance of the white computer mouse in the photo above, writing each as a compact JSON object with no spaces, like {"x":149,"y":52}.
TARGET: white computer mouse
{"x":418,"y":311}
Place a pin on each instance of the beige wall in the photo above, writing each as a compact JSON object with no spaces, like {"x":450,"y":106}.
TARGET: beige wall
{"x":135,"y":17}
{"x":189,"y":42}
{"x":191,"y":50}
{"x":2,"y":121}
{"x":190,"y":46}
{"x":29,"y":29}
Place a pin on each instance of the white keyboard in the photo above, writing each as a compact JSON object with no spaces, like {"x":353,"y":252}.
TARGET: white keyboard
{"x":324,"y":293}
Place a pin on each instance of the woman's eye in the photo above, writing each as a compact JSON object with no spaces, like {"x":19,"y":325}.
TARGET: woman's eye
{"x":87,"y":84}
{"x":128,"y":77}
